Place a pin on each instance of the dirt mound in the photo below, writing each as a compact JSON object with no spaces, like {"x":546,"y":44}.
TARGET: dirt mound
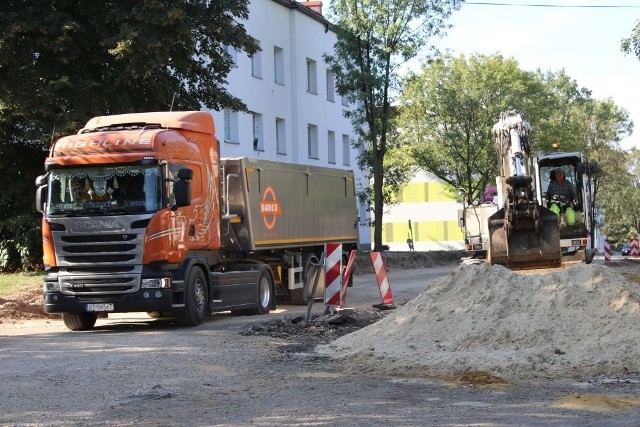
{"x":577,"y":323}
{"x":23,"y":306}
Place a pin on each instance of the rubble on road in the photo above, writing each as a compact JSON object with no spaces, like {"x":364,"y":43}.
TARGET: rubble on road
{"x":321,"y":329}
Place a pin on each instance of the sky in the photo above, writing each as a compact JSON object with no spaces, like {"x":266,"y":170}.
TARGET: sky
{"x":584,"y":41}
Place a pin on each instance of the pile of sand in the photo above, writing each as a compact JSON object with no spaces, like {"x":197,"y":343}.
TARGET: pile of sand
{"x":578,"y":323}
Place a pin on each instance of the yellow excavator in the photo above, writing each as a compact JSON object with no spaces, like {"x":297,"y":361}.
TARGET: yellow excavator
{"x":523,"y":233}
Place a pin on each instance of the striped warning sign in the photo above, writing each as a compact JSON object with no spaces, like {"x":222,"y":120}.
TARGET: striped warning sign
{"x":333,"y":277}
{"x":381,"y":276}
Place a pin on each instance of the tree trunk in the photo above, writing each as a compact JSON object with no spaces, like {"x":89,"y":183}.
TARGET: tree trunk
{"x":378,"y":202}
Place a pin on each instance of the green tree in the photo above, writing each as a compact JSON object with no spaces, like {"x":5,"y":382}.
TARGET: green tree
{"x":374,"y":38}
{"x":449,"y":107}
{"x":631,"y":44}
{"x":570,"y":117}
{"x":620,"y":194}
{"x":559,"y":119}
{"x":65,"y":61}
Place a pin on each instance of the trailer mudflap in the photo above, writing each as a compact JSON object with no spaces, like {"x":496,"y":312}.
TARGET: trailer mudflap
{"x":534,"y":246}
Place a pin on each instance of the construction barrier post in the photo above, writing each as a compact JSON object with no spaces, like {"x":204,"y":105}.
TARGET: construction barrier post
{"x":311,"y":298}
{"x":607,"y":250}
{"x":333,"y":277}
{"x":634,"y":248}
{"x":346,"y":276}
{"x":383,"y":281}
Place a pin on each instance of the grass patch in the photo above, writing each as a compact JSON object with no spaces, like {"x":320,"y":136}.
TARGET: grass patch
{"x":19,"y":282}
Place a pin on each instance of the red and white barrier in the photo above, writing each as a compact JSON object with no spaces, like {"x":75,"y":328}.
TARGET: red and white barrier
{"x":345,"y":277}
{"x":383,"y":281}
{"x":607,"y":250}
{"x":634,"y":248}
{"x":333,"y":274}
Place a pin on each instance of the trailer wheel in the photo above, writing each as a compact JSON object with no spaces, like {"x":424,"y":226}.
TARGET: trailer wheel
{"x":79,"y":321}
{"x":195,"y":300}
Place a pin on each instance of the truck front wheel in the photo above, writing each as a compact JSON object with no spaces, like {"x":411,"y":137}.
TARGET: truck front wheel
{"x":79,"y":321}
{"x":195,"y":300}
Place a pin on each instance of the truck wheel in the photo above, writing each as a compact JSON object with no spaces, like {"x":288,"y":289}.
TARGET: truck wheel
{"x":265,"y":294}
{"x":195,"y":300}
{"x":79,"y":321}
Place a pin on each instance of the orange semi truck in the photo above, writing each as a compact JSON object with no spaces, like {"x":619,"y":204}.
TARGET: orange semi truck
{"x":141,"y":214}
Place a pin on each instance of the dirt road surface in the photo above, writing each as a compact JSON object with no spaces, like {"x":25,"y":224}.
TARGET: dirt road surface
{"x":132,"y":370}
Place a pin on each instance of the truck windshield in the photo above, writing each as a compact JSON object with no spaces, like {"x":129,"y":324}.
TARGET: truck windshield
{"x":105,"y":190}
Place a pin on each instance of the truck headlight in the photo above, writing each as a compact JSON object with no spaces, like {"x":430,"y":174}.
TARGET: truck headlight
{"x":51,"y":287}
{"x":163,"y":282}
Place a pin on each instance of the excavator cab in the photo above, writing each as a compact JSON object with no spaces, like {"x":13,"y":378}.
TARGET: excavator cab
{"x":574,"y":216}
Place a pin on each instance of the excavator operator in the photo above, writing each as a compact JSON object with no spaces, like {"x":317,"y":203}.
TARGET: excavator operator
{"x":559,"y":192}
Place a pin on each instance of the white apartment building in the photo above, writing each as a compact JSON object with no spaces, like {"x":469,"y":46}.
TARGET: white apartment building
{"x":297,"y":116}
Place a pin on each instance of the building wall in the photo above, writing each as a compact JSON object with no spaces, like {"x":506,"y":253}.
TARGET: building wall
{"x":285,"y":96}
{"x":433,"y":212}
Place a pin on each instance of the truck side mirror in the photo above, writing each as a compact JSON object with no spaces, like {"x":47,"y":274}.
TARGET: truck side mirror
{"x":41,"y":196}
{"x":182,"y":188}
{"x":41,"y":192}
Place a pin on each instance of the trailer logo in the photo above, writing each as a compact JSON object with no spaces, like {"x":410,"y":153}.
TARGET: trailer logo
{"x":269,"y":208}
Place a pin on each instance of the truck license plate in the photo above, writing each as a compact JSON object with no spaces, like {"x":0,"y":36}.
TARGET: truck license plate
{"x":99,"y":307}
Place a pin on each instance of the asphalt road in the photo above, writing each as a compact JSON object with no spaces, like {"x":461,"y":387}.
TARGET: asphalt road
{"x":132,"y":370}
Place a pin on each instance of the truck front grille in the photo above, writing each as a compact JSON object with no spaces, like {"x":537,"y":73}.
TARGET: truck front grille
{"x":98,"y":250}
{"x":95,"y":285}
{"x":102,"y":262}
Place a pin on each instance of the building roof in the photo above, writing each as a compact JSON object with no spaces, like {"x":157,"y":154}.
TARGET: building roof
{"x":292,"y":4}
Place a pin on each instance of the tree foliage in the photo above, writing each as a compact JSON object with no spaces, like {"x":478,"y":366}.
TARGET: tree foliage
{"x":620,"y":193}
{"x":631,"y":44}
{"x":65,"y":61}
{"x":374,"y":38}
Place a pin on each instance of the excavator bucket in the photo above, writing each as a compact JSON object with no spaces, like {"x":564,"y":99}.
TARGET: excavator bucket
{"x":523,"y":245}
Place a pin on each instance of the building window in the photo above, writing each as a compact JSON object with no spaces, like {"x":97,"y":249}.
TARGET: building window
{"x":256,"y":63}
{"x":345,"y":100}
{"x":281,"y":137}
{"x":331,"y":146}
{"x":233,"y":54}
{"x":230,"y":126}
{"x":312,"y":76}
{"x":312,"y":141}
{"x":331,"y":86}
{"x":258,"y":139}
{"x":346,"y":151}
{"x":278,"y":64}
